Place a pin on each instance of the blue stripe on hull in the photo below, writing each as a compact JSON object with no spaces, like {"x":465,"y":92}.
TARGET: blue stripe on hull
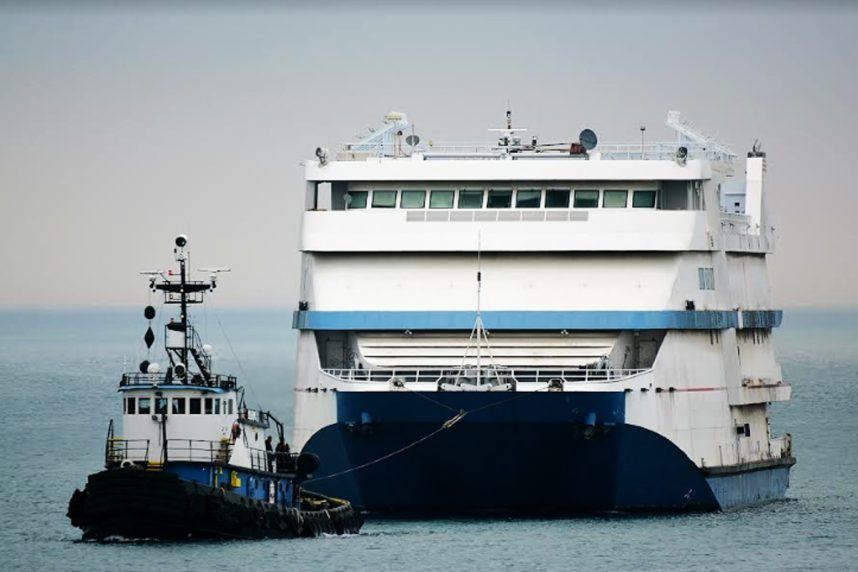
{"x":536,"y":320}
{"x":525,"y":453}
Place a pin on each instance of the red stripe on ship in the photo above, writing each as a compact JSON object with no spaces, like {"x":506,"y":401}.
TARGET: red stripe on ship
{"x":701,"y":389}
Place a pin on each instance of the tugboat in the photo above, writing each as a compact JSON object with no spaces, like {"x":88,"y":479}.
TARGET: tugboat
{"x":194,"y":460}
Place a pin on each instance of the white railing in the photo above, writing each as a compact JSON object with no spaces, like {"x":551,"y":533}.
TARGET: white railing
{"x":654,"y":151}
{"x":735,"y":223}
{"x":448,"y":375}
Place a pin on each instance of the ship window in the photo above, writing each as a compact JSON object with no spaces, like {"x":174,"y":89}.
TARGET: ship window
{"x":413,"y":199}
{"x":230,"y":406}
{"x":586,"y":199}
{"x":441,"y":200}
{"x":130,"y":408}
{"x":383,"y":199}
{"x":615,"y":199}
{"x":706,"y":278}
{"x":143,"y":406}
{"x":356,"y":199}
{"x":194,"y":405}
{"x":557,"y":199}
{"x":644,"y":200}
{"x":499,"y":199}
{"x":178,"y":406}
{"x":161,"y":405}
{"x":470,"y":199}
{"x":217,"y":406}
{"x":209,"y":406}
{"x":528,"y":198}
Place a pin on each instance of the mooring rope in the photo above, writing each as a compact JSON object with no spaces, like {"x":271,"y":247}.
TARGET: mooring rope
{"x":444,"y":426}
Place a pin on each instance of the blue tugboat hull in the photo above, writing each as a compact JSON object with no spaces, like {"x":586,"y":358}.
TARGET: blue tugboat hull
{"x":529,"y":453}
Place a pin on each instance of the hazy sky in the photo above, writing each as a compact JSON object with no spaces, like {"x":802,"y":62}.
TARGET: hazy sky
{"x":120,"y":128}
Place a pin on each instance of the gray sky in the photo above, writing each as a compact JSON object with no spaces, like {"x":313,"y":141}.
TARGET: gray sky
{"x":120,"y":128}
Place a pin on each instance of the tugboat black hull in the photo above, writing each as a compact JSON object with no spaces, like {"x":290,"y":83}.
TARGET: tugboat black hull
{"x":139,"y":504}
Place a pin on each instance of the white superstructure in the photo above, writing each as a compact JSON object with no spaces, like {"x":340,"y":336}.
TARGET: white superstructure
{"x":632,"y":272}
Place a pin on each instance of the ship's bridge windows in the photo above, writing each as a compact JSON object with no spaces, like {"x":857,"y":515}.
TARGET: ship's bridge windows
{"x":144,"y":406}
{"x":615,"y":199}
{"x":383,"y":199}
{"x":557,"y":199}
{"x":643,"y":200}
{"x":586,"y":199}
{"x":471,"y":199}
{"x":161,"y":405}
{"x":178,"y":405}
{"x":194,"y":406}
{"x":130,"y":405}
{"x":356,"y":199}
{"x":217,"y":406}
{"x":413,"y":199}
{"x":528,"y":198}
{"x":209,"y":406}
{"x":499,"y":199}
{"x":441,"y":199}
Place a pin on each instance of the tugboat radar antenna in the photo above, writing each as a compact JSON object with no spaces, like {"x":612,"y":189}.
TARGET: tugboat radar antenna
{"x":183,"y":344}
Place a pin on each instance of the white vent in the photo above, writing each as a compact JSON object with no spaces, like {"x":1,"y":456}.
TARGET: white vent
{"x":507,"y":349}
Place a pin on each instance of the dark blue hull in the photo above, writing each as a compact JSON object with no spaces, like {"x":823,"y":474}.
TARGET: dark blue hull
{"x":526,"y":453}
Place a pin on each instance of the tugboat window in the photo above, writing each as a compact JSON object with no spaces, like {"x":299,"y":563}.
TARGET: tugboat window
{"x":143,"y":406}
{"x":194,"y":405}
{"x":178,"y":406}
{"x":356,"y":199}
{"x":383,"y":199}
{"x":586,"y":199}
{"x":615,"y":199}
{"x":229,"y":402}
{"x":499,"y":199}
{"x":557,"y":199}
{"x":217,"y":406}
{"x":413,"y":199}
{"x":470,"y":199}
{"x":209,"y":406}
{"x":528,"y":198}
{"x":644,"y":200}
{"x":441,"y":200}
{"x":161,"y":405}
{"x":131,"y":406}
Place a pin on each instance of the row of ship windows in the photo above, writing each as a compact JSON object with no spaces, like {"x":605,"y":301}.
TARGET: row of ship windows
{"x":501,"y":199}
{"x":176,"y":406}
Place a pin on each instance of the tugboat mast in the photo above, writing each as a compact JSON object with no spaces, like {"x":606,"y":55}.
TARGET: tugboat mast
{"x":185,"y":292}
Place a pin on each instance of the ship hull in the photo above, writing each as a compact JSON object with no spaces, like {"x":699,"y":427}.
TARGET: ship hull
{"x":138,"y":504}
{"x":532,"y":453}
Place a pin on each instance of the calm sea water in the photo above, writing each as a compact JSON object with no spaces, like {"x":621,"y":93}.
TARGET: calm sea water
{"x":59,"y":373}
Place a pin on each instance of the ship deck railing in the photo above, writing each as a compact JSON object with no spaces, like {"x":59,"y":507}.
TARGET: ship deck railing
{"x":119,"y":449}
{"x":196,"y":451}
{"x":199,"y":450}
{"x":516,"y":375}
{"x":652,"y":151}
{"x":147,"y":379}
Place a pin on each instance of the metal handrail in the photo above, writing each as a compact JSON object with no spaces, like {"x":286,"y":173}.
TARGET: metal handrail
{"x":199,"y":450}
{"x":656,"y":150}
{"x":118,"y":450}
{"x":216,"y":380}
{"x":519,"y":375}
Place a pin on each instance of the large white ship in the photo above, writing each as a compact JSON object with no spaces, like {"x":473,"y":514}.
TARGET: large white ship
{"x":529,"y":327}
